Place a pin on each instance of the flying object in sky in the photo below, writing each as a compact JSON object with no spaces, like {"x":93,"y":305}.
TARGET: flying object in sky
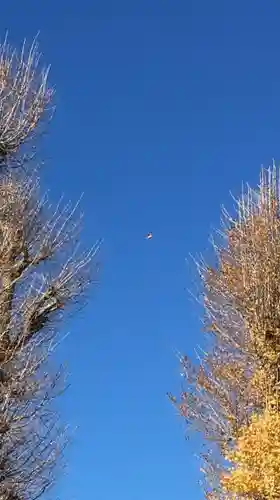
{"x":149,"y":236}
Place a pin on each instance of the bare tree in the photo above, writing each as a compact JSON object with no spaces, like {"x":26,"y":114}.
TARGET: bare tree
{"x":24,"y":101}
{"x":231,"y":395}
{"x":43,"y":275}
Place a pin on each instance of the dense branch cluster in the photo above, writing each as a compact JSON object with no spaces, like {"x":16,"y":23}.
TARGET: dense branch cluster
{"x":42,"y":274}
{"x":232,"y":394}
{"x":24,"y":101}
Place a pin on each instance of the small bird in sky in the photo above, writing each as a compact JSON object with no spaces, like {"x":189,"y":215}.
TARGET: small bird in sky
{"x":149,"y":236}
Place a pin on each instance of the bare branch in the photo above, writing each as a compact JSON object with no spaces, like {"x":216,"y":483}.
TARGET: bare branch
{"x":24,"y":99}
{"x":42,"y":276}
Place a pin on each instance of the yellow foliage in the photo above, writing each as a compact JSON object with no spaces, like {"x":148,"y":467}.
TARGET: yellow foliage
{"x":239,"y":375}
{"x":256,"y":460}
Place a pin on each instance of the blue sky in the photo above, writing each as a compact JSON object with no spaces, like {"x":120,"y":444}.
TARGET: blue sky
{"x":163,"y":107}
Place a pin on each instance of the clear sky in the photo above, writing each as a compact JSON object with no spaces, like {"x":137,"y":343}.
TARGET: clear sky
{"x":163,"y":107}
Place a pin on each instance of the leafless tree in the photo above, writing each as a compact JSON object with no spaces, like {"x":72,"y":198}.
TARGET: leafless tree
{"x":43,"y":275}
{"x":25,"y":102}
